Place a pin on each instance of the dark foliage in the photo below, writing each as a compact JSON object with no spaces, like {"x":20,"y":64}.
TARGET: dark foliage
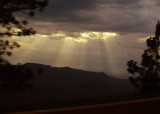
{"x":15,"y":77}
{"x":10,"y":23}
{"x":149,"y":70}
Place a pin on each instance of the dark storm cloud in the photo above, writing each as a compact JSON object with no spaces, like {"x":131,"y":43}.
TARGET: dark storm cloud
{"x":97,"y":15}
{"x":68,"y":5}
{"x":68,"y":10}
{"x":157,"y":3}
{"x":58,"y":7}
{"x":120,"y":2}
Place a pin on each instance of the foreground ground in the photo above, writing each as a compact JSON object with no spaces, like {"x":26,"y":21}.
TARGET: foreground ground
{"x":141,"y":106}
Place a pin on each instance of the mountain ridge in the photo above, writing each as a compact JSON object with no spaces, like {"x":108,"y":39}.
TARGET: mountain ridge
{"x":66,"y":84}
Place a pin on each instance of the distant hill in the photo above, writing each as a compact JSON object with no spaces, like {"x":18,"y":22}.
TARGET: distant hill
{"x":66,"y":84}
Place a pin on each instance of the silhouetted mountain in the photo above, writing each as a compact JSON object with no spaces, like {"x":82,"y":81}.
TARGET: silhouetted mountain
{"x":66,"y":84}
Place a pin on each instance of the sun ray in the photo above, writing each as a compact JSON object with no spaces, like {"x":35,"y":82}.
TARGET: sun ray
{"x":94,"y":51}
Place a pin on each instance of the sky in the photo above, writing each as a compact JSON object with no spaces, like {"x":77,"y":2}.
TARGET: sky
{"x":94,"y":35}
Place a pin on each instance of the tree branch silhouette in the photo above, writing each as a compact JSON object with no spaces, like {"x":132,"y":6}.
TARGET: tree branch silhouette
{"x":148,"y":79}
{"x":15,"y":77}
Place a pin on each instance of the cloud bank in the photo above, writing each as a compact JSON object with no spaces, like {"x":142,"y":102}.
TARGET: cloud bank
{"x":121,"y":16}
